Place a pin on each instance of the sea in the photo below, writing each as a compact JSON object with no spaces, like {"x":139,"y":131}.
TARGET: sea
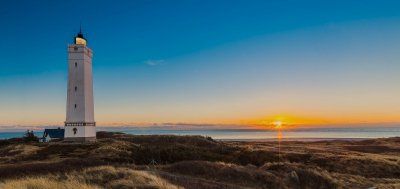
{"x":330,"y":133}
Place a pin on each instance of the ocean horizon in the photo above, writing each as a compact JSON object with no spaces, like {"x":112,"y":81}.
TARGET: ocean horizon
{"x":238,"y":133}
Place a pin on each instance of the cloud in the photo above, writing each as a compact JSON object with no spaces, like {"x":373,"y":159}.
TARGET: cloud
{"x":154,"y":62}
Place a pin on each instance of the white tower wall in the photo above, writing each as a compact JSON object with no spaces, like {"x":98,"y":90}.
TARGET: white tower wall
{"x":80,"y":124}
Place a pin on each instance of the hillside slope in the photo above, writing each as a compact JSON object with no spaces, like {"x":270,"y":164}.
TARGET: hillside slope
{"x":119,"y":160}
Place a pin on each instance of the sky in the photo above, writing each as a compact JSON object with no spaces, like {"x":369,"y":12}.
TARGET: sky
{"x":205,"y":62}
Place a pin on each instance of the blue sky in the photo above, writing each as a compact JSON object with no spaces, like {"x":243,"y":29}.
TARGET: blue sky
{"x":205,"y":61}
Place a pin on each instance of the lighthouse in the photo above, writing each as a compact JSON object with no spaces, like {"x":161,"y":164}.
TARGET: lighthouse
{"x":79,"y":124}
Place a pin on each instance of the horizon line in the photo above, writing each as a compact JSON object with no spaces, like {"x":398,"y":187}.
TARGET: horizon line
{"x":211,"y":125}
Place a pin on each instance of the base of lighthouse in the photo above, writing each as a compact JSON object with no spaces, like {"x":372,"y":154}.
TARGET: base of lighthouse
{"x":80,"y":133}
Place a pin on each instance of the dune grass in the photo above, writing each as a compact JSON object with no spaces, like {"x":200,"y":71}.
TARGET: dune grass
{"x":44,"y":183}
{"x":119,"y":160}
{"x":92,"y":178}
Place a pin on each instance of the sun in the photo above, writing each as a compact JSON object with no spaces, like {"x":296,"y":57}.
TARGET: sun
{"x":277,"y":124}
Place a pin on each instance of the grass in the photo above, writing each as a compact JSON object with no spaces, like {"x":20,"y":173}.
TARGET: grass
{"x":44,"y":183}
{"x":227,"y":173}
{"x":119,"y":160}
{"x":92,"y":178}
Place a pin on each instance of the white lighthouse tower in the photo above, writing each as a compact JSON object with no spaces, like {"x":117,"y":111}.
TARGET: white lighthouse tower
{"x":80,"y":124}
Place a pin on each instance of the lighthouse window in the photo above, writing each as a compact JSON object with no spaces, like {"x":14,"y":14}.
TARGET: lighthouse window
{"x":75,"y":105}
{"x":76,"y":64}
{"x":76,"y":88}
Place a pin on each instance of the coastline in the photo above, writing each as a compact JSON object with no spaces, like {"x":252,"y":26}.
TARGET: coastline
{"x":249,"y":135}
{"x":298,"y":139}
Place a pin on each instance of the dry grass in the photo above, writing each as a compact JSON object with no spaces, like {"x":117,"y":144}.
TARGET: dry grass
{"x":245,"y":176}
{"x":44,"y":183}
{"x":91,"y":178}
{"x":200,"y":162}
{"x":111,"y":177}
{"x":271,"y":175}
{"x":13,"y":152}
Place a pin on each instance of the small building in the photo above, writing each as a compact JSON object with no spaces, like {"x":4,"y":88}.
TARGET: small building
{"x":53,"y":134}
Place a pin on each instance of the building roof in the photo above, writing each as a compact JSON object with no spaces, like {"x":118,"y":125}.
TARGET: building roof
{"x":54,"y":133}
{"x":79,"y":35}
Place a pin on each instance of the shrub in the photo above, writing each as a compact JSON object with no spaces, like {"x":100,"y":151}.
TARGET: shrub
{"x":30,"y":137}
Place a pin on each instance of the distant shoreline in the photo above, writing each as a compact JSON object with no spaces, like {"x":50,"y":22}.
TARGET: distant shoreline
{"x":301,"y":135}
{"x":297,"y":139}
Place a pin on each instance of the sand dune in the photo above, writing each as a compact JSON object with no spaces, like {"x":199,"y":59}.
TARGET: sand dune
{"x":118,"y":160}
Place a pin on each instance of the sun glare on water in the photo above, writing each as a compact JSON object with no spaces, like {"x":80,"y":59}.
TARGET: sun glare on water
{"x":278,"y":124}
